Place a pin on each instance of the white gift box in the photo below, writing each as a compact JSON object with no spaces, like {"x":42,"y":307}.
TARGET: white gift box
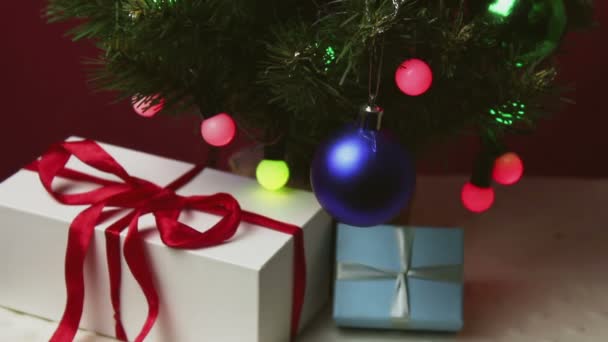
{"x":239,"y":291}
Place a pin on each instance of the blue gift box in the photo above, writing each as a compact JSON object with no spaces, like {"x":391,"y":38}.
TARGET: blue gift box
{"x":391,"y":277}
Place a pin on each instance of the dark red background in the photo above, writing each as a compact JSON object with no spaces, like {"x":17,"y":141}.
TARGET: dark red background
{"x":45,"y":98}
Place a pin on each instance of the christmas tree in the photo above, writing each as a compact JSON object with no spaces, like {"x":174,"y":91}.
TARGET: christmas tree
{"x":292,"y":73}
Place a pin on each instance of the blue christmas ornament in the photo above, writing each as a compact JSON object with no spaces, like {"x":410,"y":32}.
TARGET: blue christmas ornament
{"x":362,"y":177}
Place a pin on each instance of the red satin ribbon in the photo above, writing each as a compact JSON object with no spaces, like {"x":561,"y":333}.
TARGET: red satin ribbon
{"x":142,"y":197}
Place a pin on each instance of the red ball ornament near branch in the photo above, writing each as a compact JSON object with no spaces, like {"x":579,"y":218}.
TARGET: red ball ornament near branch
{"x":477,"y":199}
{"x":508,"y":169}
{"x":218,"y":130}
{"x":145,"y":106}
{"x":414,"y":77}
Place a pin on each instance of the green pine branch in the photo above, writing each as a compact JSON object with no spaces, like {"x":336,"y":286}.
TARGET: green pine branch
{"x":298,"y":70}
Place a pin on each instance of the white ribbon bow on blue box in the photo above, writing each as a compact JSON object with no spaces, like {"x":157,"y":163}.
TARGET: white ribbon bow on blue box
{"x":399,"y":278}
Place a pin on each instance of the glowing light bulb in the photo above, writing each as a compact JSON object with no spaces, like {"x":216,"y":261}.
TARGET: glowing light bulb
{"x":414,"y":77}
{"x":218,"y":130}
{"x":272,"y":174}
{"x":509,"y":113}
{"x":477,"y":199}
{"x":144,"y":106}
{"x":329,"y":57}
{"x":502,"y":8}
{"x":508,"y":169}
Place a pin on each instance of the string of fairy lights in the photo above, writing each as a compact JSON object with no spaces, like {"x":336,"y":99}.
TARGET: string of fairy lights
{"x":413,"y":77}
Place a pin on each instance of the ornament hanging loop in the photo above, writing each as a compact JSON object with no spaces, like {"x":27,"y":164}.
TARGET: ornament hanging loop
{"x":376,"y":55}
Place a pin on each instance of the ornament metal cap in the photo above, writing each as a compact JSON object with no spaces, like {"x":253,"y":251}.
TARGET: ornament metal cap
{"x":370,"y":117}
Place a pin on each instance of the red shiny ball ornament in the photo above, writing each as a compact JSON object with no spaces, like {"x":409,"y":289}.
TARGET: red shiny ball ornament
{"x":414,"y":77}
{"x":144,"y":108}
{"x":477,"y":199}
{"x":218,"y":130}
{"x":508,"y":169}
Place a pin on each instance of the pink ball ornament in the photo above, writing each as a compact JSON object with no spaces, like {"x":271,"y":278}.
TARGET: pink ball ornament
{"x":414,"y":77}
{"x":143,"y":107}
{"x":477,"y":199}
{"x":218,"y":130}
{"x":508,"y":169}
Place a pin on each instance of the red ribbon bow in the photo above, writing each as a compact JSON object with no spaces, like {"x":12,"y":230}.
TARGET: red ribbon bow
{"x":142,"y":197}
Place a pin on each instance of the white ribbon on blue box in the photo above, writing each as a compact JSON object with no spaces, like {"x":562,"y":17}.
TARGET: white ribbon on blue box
{"x":391,"y":277}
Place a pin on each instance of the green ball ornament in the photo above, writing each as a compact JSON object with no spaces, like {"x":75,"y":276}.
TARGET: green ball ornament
{"x":534,"y":27}
{"x":508,"y":113}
